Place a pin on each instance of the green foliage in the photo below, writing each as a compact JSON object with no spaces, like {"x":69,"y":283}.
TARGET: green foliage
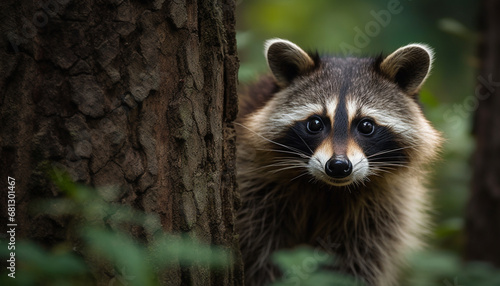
{"x":444,"y":268}
{"x":101,"y":230}
{"x":309,"y":267}
{"x":36,"y":266}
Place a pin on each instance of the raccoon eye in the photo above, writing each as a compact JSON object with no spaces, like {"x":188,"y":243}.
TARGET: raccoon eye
{"x":366,"y":127}
{"x":314,"y":125}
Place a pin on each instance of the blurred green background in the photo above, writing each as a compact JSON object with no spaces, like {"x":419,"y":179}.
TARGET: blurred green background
{"x":450,"y":27}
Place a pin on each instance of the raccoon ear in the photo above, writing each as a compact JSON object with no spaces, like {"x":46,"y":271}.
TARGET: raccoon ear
{"x":287,"y":60}
{"x":408,"y":66}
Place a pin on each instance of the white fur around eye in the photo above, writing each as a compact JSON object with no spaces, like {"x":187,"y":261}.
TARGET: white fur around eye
{"x":384,"y":118}
{"x":267,"y":121}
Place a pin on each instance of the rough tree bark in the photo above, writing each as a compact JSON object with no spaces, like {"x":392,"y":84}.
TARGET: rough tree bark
{"x":138,"y":94}
{"x":483,"y":211}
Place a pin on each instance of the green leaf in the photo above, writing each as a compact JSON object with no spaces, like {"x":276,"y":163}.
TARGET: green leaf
{"x":169,"y":249}
{"x":123,"y":252}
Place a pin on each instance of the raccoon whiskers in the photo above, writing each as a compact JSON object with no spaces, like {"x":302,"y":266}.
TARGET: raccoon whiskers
{"x":300,"y":154}
{"x":269,"y":140}
{"x":377,"y":167}
{"x":389,"y":168}
{"x":301,"y":175}
{"x":285,"y":162}
{"x":297,"y":133}
{"x":391,"y":150}
{"x":382,"y":170}
{"x":393,"y":164}
{"x":286,"y":168}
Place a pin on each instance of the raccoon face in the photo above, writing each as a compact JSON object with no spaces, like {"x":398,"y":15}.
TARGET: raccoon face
{"x":341,"y":121}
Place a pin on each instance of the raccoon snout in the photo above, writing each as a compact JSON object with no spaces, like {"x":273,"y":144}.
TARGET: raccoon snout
{"x":338,"y":167}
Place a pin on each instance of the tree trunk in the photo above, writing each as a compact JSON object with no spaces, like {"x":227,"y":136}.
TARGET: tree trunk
{"x":137,"y":94}
{"x":483,"y":212}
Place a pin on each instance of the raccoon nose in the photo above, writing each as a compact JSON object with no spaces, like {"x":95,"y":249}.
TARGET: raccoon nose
{"x":338,"y":167}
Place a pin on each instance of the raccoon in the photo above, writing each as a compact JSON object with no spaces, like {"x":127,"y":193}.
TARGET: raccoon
{"x":331,"y":153}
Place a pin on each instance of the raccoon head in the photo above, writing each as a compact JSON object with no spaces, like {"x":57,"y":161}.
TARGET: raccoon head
{"x":342,"y":121}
